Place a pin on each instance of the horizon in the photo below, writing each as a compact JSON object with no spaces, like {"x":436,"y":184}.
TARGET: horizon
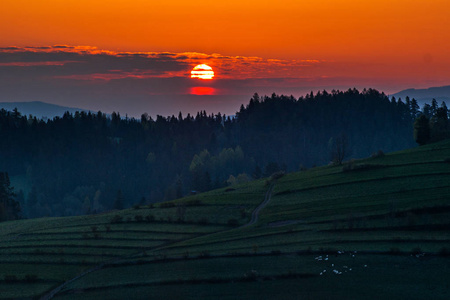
{"x":59,"y":110}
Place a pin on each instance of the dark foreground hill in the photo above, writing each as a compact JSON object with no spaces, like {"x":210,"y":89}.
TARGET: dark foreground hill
{"x":372,"y":229}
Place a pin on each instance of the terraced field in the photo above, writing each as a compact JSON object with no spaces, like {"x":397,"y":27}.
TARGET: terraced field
{"x":375,"y":228}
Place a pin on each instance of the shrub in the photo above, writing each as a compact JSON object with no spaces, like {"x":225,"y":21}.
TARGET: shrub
{"x":31,"y":278}
{"x":416,"y":251}
{"x":204,"y":254}
{"x":150,"y":218}
{"x":136,"y":206}
{"x":447,"y":160}
{"x":251,"y":275}
{"x":108,"y":228}
{"x":203,"y":221}
{"x":394,"y":251}
{"x":117,"y":219}
{"x":139,"y":218}
{"x":351,"y":166}
{"x":193,"y":202}
{"x":277,"y":175}
{"x":151,"y":205}
{"x":166,"y":205}
{"x":444,"y":251}
{"x":94,"y":228}
{"x":379,"y":153}
{"x":233,"y":222}
{"x":11,"y":278}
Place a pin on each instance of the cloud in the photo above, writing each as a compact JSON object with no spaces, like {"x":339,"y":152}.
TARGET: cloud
{"x":158,"y":82}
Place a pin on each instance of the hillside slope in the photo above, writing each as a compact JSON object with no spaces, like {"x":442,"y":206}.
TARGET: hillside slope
{"x":374,"y":228}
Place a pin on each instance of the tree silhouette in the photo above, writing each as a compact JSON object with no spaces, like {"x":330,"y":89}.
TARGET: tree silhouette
{"x":422,"y":130}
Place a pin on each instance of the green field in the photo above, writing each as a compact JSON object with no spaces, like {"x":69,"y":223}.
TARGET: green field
{"x":378,"y":228}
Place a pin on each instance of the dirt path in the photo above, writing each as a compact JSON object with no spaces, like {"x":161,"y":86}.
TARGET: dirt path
{"x":255,"y":213}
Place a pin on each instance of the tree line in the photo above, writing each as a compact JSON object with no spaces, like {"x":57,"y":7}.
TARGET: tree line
{"x":432,"y":124}
{"x":86,"y":162}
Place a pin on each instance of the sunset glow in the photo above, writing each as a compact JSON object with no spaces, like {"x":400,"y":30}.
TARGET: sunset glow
{"x":202,"y":90}
{"x":202,"y":72}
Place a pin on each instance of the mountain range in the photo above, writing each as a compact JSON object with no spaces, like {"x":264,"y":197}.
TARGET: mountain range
{"x":39,"y":109}
{"x":422,"y":96}
{"x":46,"y":110}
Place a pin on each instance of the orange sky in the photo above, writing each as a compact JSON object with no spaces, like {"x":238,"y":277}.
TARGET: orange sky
{"x":324,"y":29}
{"x":385,"y":44}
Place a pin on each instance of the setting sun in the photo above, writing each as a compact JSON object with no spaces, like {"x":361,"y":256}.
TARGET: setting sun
{"x":202,"y":72}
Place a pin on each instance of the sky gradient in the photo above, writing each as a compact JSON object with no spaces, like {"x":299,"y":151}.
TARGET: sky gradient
{"x":136,"y":56}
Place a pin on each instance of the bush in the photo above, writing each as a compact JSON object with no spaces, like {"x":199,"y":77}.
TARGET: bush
{"x":193,"y":202}
{"x":31,"y":278}
{"x":277,"y":175}
{"x":416,"y":251}
{"x":139,"y":218}
{"x":233,"y":222}
{"x":150,"y":218}
{"x":204,"y":254}
{"x":10,"y":278}
{"x":444,"y":251}
{"x":117,"y":219}
{"x":379,"y":153}
{"x":276,"y":252}
{"x":351,"y":166}
{"x":166,"y":205}
{"x":136,"y":206}
{"x":203,"y":221}
{"x":251,"y":275}
{"x":395,"y":251}
{"x":94,"y":228}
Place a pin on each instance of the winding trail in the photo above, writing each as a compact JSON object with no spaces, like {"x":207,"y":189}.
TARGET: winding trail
{"x":255,"y":213}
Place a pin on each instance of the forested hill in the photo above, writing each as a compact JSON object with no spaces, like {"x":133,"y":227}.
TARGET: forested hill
{"x":86,"y":163}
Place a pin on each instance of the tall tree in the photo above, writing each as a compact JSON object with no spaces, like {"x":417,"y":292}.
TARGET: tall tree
{"x":118,"y":202}
{"x":9,"y":207}
{"x":422,"y":130}
{"x":340,"y":149}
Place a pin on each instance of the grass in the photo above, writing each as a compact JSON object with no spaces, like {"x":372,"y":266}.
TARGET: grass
{"x":390,"y":210}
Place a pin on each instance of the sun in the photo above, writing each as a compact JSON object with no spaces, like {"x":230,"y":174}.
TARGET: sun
{"x":202,"y":72}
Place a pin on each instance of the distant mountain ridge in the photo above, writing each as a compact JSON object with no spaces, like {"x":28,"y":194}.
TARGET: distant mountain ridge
{"x":39,"y":109}
{"x":441,"y":93}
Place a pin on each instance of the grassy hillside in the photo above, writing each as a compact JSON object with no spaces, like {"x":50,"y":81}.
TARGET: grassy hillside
{"x":374,"y":228}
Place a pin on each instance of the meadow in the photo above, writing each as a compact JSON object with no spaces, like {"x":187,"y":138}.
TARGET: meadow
{"x":372,"y":228}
